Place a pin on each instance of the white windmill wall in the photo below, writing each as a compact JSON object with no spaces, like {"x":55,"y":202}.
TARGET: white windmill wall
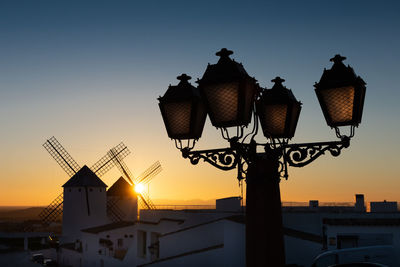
{"x":75,"y":213}
{"x":129,"y":207}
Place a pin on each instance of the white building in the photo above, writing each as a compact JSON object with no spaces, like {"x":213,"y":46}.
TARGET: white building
{"x":84,"y":204}
{"x":217,"y":237}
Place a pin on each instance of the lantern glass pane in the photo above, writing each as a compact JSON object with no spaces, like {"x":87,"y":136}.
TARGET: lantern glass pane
{"x":274,"y":120}
{"x":178,"y":117}
{"x":294,"y":118}
{"x":200,"y":118}
{"x":223,"y":101}
{"x":339,"y":103}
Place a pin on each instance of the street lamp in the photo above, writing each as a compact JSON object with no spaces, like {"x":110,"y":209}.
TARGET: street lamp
{"x":183,"y":111}
{"x":232,"y":98}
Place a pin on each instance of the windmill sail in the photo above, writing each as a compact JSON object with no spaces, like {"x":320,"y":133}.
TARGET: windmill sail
{"x":104,"y":164}
{"x":63,"y":158}
{"x":54,"y":210}
{"x":143,"y":179}
{"x":148,"y":174}
{"x":145,"y":201}
{"x":113,"y":211}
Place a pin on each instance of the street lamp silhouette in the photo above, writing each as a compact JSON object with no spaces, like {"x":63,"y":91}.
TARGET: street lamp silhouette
{"x":233,"y":99}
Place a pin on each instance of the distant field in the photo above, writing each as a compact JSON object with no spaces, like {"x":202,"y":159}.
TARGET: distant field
{"x":19,"y":213}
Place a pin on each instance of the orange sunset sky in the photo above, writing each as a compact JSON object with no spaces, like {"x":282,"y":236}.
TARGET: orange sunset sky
{"x":90,"y":74}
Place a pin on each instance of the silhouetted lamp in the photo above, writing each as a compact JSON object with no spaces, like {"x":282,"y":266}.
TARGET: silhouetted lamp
{"x":182,"y":110}
{"x":229,"y":95}
{"x":278,"y":111}
{"x":228,"y":92}
{"x":341,"y":94}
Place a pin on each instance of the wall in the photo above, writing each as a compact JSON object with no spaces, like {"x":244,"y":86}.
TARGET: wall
{"x":363,"y":231}
{"x":75,"y":214}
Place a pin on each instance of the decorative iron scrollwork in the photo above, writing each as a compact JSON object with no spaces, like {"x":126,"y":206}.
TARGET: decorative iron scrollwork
{"x":299,"y":155}
{"x":224,"y":158}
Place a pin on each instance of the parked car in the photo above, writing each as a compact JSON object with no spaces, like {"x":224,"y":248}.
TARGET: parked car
{"x":50,"y":262}
{"x":38,"y":257}
{"x":359,"y":264}
{"x":361,"y":255}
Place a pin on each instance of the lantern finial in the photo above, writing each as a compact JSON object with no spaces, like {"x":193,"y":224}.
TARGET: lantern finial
{"x":224,"y":53}
{"x":183,"y":77}
{"x":337,"y":59}
{"x":278,"y":81}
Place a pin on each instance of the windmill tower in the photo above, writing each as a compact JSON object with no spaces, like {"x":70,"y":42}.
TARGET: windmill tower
{"x":83,"y":202}
{"x":122,"y":196}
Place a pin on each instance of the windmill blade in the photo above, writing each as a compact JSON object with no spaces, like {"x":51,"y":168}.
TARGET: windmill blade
{"x":106,"y":163}
{"x":58,"y":152}
{"x":149,"y":174}
{"x":121,"y":165}
{"x":53,"y":211}
{"x":145,"y":201}
{"x":113,"y":211}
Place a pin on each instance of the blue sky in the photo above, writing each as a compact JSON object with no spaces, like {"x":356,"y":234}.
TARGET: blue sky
{"x":89,"y":72}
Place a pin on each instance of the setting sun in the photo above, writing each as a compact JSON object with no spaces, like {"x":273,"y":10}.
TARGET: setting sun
{"x":139,"y":188}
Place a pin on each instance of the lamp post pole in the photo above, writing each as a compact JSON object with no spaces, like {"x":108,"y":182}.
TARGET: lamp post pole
{"x":233,"y":99}
{"x":264,"y":230}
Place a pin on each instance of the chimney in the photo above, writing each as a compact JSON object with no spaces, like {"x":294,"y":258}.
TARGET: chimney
{"x":313,"y":204}
{"x":360,"y":205}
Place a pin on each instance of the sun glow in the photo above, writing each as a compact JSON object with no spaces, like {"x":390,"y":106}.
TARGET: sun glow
{"x":139,"y":188}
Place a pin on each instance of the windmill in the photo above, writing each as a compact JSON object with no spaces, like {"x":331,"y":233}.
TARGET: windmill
{"x":139,"y":181}
{"x":69,"y":165}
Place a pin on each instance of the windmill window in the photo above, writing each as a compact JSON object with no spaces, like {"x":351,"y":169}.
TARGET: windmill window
{"x":69,"y":190}
{"x":125,"y":236}
{"x":79,"y":190}
{"x":100,"y":190}
{"x":91,"y":189}
{"x":141,"y":246}
{"x":108,"y":236}
{"x":131,"y":236}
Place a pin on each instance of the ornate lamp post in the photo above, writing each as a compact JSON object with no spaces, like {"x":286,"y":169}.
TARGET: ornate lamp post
{"x":232,"y":98}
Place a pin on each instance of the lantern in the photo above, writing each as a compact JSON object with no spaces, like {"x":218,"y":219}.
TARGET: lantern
{"x":278,"y":111}
{"x":341,"y":94}
{"x":228,"y":92}
{"x":182,"y":110}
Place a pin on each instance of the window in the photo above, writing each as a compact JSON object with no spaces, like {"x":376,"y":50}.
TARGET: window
{"x":347,"y":241}
{"x":120,"y":242}
{"x":142,"y":244}
{"x":79,"y":190}
{"x":91,"y":189}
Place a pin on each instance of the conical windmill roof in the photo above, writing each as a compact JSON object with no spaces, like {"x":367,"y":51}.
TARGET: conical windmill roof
{"x":85,"y":177}
{"x":120,"y":188}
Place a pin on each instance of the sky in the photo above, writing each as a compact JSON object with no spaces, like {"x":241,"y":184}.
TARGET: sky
{"x":90,"y":72}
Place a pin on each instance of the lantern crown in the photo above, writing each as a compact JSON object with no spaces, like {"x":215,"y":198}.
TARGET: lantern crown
{"x":226,"y":70}
{"x":183,"y":90}
{"x":339,"y":75}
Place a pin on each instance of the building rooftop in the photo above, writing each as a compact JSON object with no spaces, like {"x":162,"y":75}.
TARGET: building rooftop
{"x":363,"y":221}
{"x":85,"y":177}
{"x":122,"y":224}
{"x":121,"y":188}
